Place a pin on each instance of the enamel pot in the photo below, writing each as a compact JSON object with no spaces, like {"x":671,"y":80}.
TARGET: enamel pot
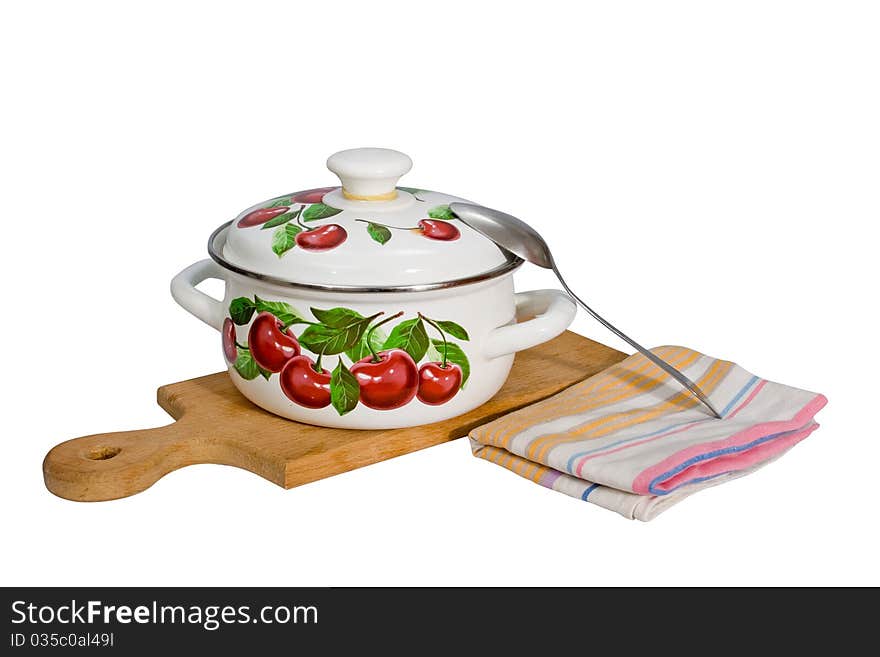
{"x":366,"y":306}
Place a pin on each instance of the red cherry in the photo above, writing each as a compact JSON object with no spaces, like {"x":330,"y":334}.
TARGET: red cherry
{"x":323,"y":238}
{"x":390,"y":383}
{"x":229,"y":348}
{"x":303,"y":384}
{"x":312,"y":195}
{"x":271,"y":346}
{"x":261,"y":216}
{"x":438,"y":384}
{"x":439,"y":230}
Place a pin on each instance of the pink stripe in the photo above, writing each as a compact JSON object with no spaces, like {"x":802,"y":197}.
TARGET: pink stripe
{"x":732,"y":461}
{"x":740,"y":461}
{"x":748,"y":399}
{"x":745,"y":402}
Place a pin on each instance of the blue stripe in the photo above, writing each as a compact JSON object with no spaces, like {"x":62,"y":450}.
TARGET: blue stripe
{"x":589,"y":490}
{"x":570,"y":465}
{"x":739,"y":396}
{"x":709,"y":455}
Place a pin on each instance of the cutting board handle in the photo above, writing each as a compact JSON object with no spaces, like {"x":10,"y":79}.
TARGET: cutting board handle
{"x":108,"y":466}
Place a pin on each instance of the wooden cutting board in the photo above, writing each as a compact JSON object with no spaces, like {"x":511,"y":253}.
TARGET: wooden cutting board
{"x":214,"y":423}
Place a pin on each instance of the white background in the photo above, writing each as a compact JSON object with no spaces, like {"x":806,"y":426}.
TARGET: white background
{"x":707,"y":174}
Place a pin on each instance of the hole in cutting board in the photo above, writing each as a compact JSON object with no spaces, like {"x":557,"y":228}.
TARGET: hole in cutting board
{"x":103,"y":453}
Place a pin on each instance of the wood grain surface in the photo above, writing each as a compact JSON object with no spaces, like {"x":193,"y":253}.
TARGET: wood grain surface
{"x":214,"y":423}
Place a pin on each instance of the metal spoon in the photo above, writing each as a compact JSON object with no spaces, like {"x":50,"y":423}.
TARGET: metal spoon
{"x":521,"y":239}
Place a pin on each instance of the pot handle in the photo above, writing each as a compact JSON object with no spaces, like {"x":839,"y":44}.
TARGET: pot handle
{"x":196,"y":302}
{"x":552,"y":311}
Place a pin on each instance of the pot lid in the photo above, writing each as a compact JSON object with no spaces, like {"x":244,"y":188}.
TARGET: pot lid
{"x":366,"y":233}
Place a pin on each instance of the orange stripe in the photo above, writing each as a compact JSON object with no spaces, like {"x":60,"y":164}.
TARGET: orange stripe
{"x":651,"y":381}
{"x":522,"y":467}
{"x":682,"y":400}
{"x":529,"y":472}
{"x":518,"y":465}
{"x":509,"y":458}
{"x":605,"y":380}
{"x":536,"y":477}
{"x":615,"y":383}
{"x":617,"y":421}
{"x":624,"y":419}
{"x":491,"y":454}
{"x":515,"y":465}
{"x":534,"y":470}
{"x":648,"y":376}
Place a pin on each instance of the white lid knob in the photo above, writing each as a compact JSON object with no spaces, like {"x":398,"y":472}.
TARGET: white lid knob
{"x":369,"y":174}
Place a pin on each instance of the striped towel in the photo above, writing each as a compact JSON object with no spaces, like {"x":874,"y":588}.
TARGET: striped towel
{"x":630,"y":439}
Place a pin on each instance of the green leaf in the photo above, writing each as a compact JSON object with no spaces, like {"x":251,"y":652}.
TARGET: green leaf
{"x":379,"y":233}
{"x":319,"y":211}
{"x":280,"y":220}
{"x":432,"y":354}
{"x":280,"y":202}
{"x":361,"y":350}
{"x":285,"y":313}
{"x":344,"y":389}
{"x":336,"y":317}
{"x":441,"y":212}
{"x":454,"y":354}
{"x":453,"y":329}
{"x":245,"y":365}
{"x":327,"y":340}
{"x":409,"y":335}
{"x":266,"y":374}
{"x":284,"y":239}
{"x":241,"y":309}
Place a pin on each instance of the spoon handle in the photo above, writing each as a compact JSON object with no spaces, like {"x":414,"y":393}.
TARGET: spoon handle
{"x":692,"y":387}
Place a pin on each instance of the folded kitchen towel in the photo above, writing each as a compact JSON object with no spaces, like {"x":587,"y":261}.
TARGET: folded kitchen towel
{"x":630,"y":439}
